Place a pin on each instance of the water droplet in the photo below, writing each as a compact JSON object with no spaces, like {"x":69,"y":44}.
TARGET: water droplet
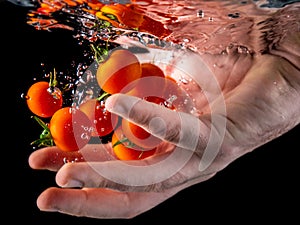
{"x":183,"y":80}
{"x":194,"y":111}
{"x":85,"y":136}
{"x":169,"y":102}
{"x":89,"y":93}
{"x":65,"y":160}
{"x":186,"y":40}
{"x":186,"y":101}
{"x":234,"y":15}
{"x":243,"y":50}
{"x":68,"y":160}
{"x":24,"y":96}
{"x":55,"y":92}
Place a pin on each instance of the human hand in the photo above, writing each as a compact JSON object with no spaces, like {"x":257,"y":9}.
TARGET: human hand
{"x":244,"y":103}
{"x":263,"y":104}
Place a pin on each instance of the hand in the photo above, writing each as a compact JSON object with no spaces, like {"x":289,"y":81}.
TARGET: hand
{"x":259,"y":100}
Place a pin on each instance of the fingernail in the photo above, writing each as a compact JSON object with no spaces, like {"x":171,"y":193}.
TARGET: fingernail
{"x":120,"y":104}
{"x":73,"y":183}
{"x":110,"y":105}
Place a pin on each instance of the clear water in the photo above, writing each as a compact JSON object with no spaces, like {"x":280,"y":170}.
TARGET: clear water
{"x":204,"y":26}
{"x":239,"y":29}
{"x":219,"y":27}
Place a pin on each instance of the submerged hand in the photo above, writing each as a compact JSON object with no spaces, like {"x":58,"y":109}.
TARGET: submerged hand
{"x":259,"y":106}
{"x":243,"y":102}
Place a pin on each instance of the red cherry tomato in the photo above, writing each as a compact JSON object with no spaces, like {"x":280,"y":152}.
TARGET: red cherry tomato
{"x":103,"y":121}
{"x":124,"y":150}
{"x":43,"y":100}
{"x":70,"y":129}
{"x":150,"y":69}
{"x":120,"y":69}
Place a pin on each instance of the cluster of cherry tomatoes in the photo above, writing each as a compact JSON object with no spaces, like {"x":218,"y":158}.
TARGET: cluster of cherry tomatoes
{"x":71,"y":128}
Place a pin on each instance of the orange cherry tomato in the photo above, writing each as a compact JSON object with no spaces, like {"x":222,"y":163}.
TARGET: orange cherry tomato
{"x":124,"y":150}
{"x":154,"y":87}
{"x":175,"y":96}
{"x":124,"y":15}
{"x":151,"y":82}
{"x":120,"y":69}
{"x":139,"y":136}
{"x":70,"y":129}
{"x":103,"y":121}
{"x":43,"y":100}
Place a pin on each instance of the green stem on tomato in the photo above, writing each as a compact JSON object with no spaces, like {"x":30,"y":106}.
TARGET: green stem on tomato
{"x":99,"y":52}
{"x":43,"y":142}
{"x":45,"y":137}
{"x":53,"y":80}
{"x":130,"y":144}
{"x":102,"y":96}
{"x":124,"y":140}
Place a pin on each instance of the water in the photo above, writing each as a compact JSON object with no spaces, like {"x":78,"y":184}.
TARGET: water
{"x":234,"y":28}
{"x":204,"y":26}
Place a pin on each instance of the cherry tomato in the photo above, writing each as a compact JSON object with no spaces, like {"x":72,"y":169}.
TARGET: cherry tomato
{"x":151,"y":82}
{"x":120,"y":69}
{"x":70,"y":129}
{"x":103,"y":121}
{"x":154,"y":82}
{"x":43,"y":100}
{"x":176,"y":95}
{"x":124,"y":150}
{"x":150,"y":69}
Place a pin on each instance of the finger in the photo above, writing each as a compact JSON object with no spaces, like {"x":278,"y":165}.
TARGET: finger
{"x":99,"y":202}
{"x":138,"y":175}
{"x":182,"y":129}
{"x":179,"y":167}
{"x":52,"y":158}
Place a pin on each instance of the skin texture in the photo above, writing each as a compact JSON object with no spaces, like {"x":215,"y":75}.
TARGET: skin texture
{"x":262,"y":99}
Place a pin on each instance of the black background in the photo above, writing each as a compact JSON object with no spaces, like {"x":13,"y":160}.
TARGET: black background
{"x":261,"y":186}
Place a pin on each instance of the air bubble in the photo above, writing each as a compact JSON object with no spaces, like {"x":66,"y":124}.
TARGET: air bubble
{"x":200,"y":14}
{"x":24,"y":96}
{"x":66,"y":160}
{"x":85,"y":136}
{"x":234,"y":15}
{"x":54,"y":92}
{"x":183,"y":80}
{"x":194,"y":111}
